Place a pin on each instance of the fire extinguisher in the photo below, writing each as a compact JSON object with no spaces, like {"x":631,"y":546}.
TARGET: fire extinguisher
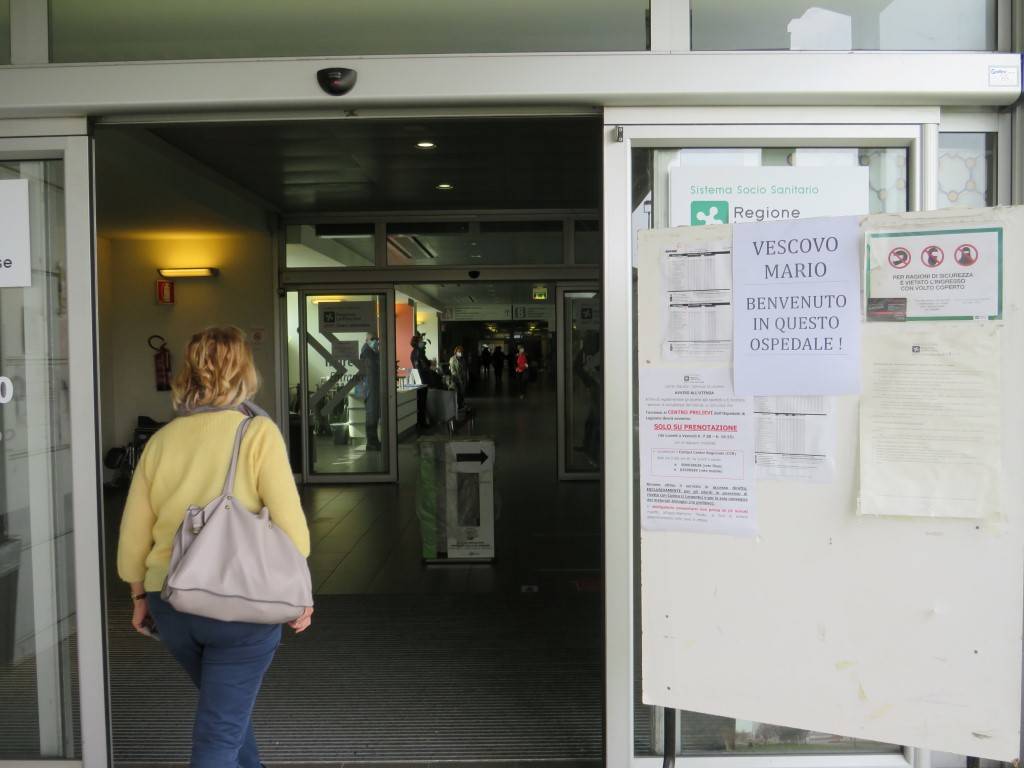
{"x":162,"y":363}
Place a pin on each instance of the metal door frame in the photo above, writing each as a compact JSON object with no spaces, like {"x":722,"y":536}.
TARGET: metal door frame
{"x":562,"y":335}
{"x":390,"y":384}
{"x":68,"y":140}
{"x":914,"y":129}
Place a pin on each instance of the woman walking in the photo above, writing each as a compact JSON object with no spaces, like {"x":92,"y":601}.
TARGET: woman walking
{"x":185,"y":464}
{"x":522,"y":371}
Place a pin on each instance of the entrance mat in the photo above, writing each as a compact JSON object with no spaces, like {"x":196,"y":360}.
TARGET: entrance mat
{"x":393,"y":679}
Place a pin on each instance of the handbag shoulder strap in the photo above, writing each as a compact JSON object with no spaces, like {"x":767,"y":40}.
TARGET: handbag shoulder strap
{"x":229,"y":481}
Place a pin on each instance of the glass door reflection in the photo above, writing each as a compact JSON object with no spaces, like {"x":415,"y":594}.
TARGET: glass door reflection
{"x":347,"y":368}
{"x":39,"y":710}
{"x":580,"y":383}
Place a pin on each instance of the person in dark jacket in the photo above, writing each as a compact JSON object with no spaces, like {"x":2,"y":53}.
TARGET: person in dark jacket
{"x":434,"y":379}
{"x":369,"y":361}
{"x":498,"y":362}
{"x":485,"y":362}
{"x":421,"y":365}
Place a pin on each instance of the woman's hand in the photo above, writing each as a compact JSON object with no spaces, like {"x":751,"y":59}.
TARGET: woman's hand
{"x":302,"y":623}
{"x":140,"y":617}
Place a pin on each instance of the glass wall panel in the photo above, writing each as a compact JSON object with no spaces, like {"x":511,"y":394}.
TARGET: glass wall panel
{"x":488,"y":243}
{"x":5,"y":31}
{"x":347,"y":354}
{"x":863,"y":25}
{"x":38,"y":704}
{"x":888,"y":184}
{"x":588,"y":243}
{"x":967,"y":165}
{"x":137,"y":30}
{"x":329,"y":245}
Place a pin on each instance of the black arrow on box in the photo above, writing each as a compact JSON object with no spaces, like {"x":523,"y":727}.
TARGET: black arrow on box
{"x":481,"y":457}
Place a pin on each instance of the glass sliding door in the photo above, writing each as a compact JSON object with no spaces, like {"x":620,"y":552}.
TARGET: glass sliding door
{"x":579,"y":383}
{"x":885,"y":161}
{"x":53,"y":704}
{"x":347,"y":383}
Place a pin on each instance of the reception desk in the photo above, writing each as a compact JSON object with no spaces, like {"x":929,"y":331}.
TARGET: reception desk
{"x":405,"y":404}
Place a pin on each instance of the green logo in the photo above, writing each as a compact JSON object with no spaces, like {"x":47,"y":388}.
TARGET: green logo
{"x":709,"y":212}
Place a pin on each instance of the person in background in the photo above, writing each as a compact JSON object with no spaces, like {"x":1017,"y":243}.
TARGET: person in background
{"x":185,"y":464}
{"x":498,"y":362}
{"x":420,"y":364}
{"x":434,"y":379}
{"x":522,"y":371}
{"x":460,"y":374}
{"x":369,"y":361}
{"x":485,"y":362}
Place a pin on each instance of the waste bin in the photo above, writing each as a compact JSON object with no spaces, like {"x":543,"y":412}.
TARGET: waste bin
{"x":455,"y":498}
{"x":10,"y":558}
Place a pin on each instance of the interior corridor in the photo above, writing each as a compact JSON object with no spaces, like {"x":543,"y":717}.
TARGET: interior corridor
{"x":407,"y":662}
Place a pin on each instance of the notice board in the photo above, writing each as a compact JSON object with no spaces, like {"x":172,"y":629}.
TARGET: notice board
{"x":900,"y":629}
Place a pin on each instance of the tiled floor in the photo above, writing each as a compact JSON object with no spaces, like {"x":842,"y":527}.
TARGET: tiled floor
{"x":366,"y":538}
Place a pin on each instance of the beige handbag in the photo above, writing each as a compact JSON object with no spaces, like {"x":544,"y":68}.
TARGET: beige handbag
{"x":233,"y":565}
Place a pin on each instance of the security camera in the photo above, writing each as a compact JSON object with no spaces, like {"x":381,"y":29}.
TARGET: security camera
{"x":474,"y":274}
{"x":336,"y":81}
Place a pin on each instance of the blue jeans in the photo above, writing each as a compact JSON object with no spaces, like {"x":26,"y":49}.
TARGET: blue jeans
{"x":226,"y":660}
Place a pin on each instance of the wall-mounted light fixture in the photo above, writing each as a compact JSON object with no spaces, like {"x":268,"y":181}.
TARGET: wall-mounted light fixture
{"x":189,"y":272}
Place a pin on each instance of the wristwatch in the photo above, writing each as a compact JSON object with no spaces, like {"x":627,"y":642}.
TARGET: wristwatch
{"x":136,"y":598}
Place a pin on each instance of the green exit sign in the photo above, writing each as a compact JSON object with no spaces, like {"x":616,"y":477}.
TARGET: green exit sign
{"x":540,"y":293}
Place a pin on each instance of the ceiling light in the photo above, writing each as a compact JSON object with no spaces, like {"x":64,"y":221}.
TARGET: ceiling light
{"x":189,"y":272}
{"x":425,"y":144}
{"x":445,"y":186}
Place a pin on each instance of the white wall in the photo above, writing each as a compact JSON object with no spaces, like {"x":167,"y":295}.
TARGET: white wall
{"x":159,"y":208}
{"x":241,"y":295}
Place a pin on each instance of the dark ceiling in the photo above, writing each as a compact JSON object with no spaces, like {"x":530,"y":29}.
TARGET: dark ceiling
{"x":362,"y":165}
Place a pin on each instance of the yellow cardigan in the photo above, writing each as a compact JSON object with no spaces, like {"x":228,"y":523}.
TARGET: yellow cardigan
{"x":184,"y":464}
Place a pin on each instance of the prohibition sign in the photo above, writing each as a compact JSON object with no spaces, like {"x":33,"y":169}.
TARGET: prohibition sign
{"x":966,"y":255}
{"x":932,"y":256}
{"x":899,"y":257}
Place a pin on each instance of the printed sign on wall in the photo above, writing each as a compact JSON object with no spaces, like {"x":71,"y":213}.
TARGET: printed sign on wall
{"x":941,"y":274}
{"x":15,"y":245}
{"x":471,"y":312}
{"x":348,"y":317}
{"x":737,"y":195}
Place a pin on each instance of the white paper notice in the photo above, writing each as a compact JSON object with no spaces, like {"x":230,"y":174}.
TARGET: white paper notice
{"x":697,"y":299}
{"x":696,"y":452}
{"x":943,"y":274}
{"x":796,"y":438}
{"x":15,"y":242}
{"x":930,"y":427}
{"x":796,"y":317}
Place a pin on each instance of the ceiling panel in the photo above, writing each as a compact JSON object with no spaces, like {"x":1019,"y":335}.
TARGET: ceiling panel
{"x":353,"y":165}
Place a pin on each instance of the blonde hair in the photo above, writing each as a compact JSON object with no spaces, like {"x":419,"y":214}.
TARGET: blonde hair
{"x":217,"y":370}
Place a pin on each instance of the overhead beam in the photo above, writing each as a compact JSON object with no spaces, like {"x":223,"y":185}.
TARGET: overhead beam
{"x":601,"y":79}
